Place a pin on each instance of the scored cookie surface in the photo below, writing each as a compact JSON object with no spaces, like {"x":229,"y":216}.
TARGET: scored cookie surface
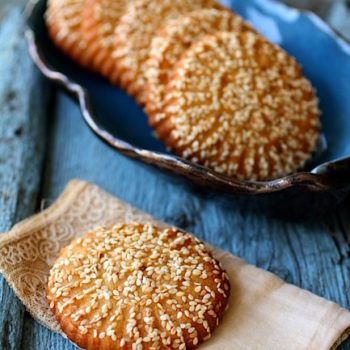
{"x":63,"y":20}
{"x":100,"y":18}
{"x":135,"y":32}
{"x":137,"y":286}
{"x":172,"y":41}
{"x":238,"y":104}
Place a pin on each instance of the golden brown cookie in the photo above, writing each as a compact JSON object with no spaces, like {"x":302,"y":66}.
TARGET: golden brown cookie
{"x":63,"y":20}
{"x":100,"y":17}
{"x":137,"y":286}
{"x":172,"y":41}
{"x":240,"y":105}
{"x":136,"y":31}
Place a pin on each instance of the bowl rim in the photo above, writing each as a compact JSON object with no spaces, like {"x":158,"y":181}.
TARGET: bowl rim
{"x":324,"y":177}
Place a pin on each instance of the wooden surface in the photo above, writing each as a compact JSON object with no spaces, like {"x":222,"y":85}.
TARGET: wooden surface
{"x":42,"y":148}
{"x":22,"y":141}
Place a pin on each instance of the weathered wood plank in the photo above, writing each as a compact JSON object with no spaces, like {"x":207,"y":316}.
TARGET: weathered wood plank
{"x":22,"y":122}
{"x":312,"y":255}
{"x":7,"y":5}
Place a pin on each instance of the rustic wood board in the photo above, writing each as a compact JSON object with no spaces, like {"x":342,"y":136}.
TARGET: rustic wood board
{"x":22,"y":139}
{"x":313,"y":255}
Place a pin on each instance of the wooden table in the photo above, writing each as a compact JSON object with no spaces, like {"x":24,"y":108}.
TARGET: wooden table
{"x":44,"y":143}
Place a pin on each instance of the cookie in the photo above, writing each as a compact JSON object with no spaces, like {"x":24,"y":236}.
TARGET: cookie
{"x":63,"y":20}
{"x":137,"y":286}
{"x":100,"y":17}
{"x":172,"y":41}
{"x":136,"y":31}
{"x":240,"y":105}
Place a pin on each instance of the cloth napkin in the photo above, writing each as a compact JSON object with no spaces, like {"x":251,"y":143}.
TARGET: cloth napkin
{"x":264,"y":312}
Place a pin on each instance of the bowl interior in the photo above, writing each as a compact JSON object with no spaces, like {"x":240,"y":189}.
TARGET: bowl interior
{"x":325,"y":61}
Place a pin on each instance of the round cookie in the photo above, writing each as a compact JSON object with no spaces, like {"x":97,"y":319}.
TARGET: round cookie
{"x":63,"y":20}
{"x":137,"y":286}
{"x":100,"y":17}
{"x":136,"y":31}
{"x":172,"y":41}
{"x":240,"y":105}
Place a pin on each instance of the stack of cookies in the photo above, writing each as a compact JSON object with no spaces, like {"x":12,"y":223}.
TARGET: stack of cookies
{"x":215,"y":91}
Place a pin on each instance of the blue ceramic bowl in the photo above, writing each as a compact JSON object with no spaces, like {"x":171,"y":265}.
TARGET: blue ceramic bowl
{"x":116,"y":118}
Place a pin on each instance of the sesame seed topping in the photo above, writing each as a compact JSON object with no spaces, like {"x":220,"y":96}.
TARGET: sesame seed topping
{"x":124,"y":310}
{"x":64,"y":25}
{"x":135,"y":31}
{"x":99,"y":19}
{"x":172,"y":41}
{"x":238,"y":104}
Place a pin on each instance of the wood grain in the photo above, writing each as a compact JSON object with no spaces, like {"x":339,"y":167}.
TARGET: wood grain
{"x":22,"y":113}
{"x":313,"y":255}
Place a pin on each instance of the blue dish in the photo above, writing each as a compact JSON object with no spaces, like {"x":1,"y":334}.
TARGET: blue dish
{"x":116,"y":118}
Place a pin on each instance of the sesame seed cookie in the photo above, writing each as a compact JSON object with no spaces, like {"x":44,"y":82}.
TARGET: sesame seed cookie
{"x":63,"y":20}
{"x":172,"y":41}
{"x":137,"y":286}
{"x":135,"y":33}
{"x":100,"y":17}
{"x":240,"y":105}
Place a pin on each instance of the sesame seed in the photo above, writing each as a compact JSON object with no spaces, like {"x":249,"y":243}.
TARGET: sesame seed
{"x":169,"y":45}
{"x":238,"y":104}
{"x":132,"y":50}
{"x":143,"y":256}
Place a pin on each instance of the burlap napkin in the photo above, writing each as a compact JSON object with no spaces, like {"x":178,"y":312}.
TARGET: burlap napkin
{"x":264,"y":313}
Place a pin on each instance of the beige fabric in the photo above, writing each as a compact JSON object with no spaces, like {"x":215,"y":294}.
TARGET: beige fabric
{"x":264,"y":313}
